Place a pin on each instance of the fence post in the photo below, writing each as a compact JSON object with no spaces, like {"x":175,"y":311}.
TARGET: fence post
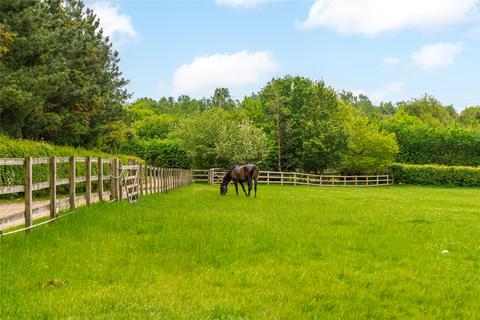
{"x":119,"y":179}
{"x":162,"y":181}
{"x":150,"y":178}
{"x":28,"y":192}
{"x":88,"y":180}
{"x":145,"y":179}
{"x":282,"y":178}
{"x":113,"y":188}
{"x":72,"y":182}
{"x":100,"y":179}
{"x":159,"y":178}
{"x":53,"y":187}
{"x":140,"y":178}
{"x":268,"y":177}
{"x":377,"y":180}
{"x":175,"y":178}
{"x":367,"y":181}
{"x":165,"y":177}
{"x":209,"y":177}
{"x":294,"y":178}
{"x":145,"y":175}
{"x":344,"y":180}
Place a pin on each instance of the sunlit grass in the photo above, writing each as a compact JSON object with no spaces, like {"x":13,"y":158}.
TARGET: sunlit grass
{"x":291,"y":253}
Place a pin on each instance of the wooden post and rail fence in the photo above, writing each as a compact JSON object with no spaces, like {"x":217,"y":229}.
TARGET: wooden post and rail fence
{"x":123,"y":181}
{"x":213,"y":176}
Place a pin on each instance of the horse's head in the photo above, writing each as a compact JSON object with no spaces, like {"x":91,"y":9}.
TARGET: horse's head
{"x":223,"y":189}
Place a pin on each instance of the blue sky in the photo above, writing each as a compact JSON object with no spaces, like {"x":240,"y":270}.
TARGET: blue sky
{"x":390,"y":50}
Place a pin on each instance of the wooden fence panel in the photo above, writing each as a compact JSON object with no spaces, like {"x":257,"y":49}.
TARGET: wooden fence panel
{"x":294,"y":178}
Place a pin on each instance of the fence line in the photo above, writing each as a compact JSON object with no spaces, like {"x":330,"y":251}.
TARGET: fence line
{"x":213,"y":176}
{"x":131,"y":181}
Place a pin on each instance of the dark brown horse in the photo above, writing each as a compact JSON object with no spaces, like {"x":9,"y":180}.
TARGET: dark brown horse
{"x":240,"y":174}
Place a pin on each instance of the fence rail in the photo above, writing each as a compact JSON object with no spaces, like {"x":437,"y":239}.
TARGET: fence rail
{"x":213,"y":176}
{"x":123,"y":181}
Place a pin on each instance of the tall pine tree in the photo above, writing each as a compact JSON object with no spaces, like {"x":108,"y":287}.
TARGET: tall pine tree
{"x":59,"y":76}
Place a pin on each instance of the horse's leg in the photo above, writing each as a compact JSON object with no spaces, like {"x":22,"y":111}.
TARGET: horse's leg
{"x":236,"y":187}
{"x":249,"y":185}
{"x":243,"y":187}
{"x":255,"y":186}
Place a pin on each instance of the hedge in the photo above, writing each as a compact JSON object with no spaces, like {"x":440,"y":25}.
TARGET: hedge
{"x":159,"y":152}
{"x":436,"y":175}
{"x":166,"y":153}
{"x":14,"y":175}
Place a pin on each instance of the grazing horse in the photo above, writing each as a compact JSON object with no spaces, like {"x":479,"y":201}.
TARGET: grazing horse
{"x":240,"y":174}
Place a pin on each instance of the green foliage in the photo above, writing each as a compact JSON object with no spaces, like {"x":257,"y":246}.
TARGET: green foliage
{"x":154,"y":127}
{"x":241,"y":143}
{"x":436,"y":175}
{"x":216,"y":138}
{"x":424,"y":143}
{"x":14,"y":175}
{"x":59,"y":77}
{"x":429,"y":110}
{"x":165,"y":154}
{"x":369,"y":151}
{"x":471,"y":117}
{"x":300,"y":118}
{"x":222,"y":99}
{"x":291,"y":253}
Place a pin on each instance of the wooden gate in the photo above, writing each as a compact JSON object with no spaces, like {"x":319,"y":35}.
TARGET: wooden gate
{"x":130,"y":175}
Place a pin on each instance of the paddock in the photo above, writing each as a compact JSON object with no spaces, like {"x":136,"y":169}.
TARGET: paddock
{"x":293,"y":252}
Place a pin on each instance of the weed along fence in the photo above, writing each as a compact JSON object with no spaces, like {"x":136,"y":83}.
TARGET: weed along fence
{"x":213,"y":176}
{"x":72,"y":181}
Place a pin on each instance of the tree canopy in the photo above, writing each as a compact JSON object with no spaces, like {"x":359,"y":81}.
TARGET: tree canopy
{"x":59,"y":76}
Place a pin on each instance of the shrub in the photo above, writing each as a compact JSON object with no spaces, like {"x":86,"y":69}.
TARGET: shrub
{"x":14,"y":175}
{"x":165,"y":153}
{"x":436,"y":175}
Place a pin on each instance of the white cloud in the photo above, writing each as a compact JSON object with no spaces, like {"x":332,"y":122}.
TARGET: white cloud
{"x":243,"y":3}
{"x":437,"y":56}
{"x":381,"y":94}
{"x":115,"y":25}
{"x":236,"y":70}
{"x":371,"y":17}
{"x":390,"y":62}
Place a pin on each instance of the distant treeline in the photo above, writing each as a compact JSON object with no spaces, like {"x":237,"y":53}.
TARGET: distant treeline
{"x":294,"y":123}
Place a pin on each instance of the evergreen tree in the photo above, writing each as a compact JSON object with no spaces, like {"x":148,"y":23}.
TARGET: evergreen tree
{"x":59,"y":79}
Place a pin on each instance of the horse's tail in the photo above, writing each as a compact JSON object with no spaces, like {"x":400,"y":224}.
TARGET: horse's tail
{"x":256,"y":174}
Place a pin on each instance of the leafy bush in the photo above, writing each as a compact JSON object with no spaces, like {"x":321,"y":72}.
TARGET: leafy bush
{"x":436,"y":175}
{"x":165,"y":153}
{"x":424,"y":143}
{"x":14,"y":175}
{"x":370,"y":151}
{"x":216,"y":138}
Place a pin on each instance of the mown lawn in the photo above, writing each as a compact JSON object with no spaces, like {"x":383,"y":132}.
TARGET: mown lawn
{"x":291,"y":253}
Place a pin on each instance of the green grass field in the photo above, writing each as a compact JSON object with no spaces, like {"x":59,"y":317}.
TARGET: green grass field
{"x":291,"y":253}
